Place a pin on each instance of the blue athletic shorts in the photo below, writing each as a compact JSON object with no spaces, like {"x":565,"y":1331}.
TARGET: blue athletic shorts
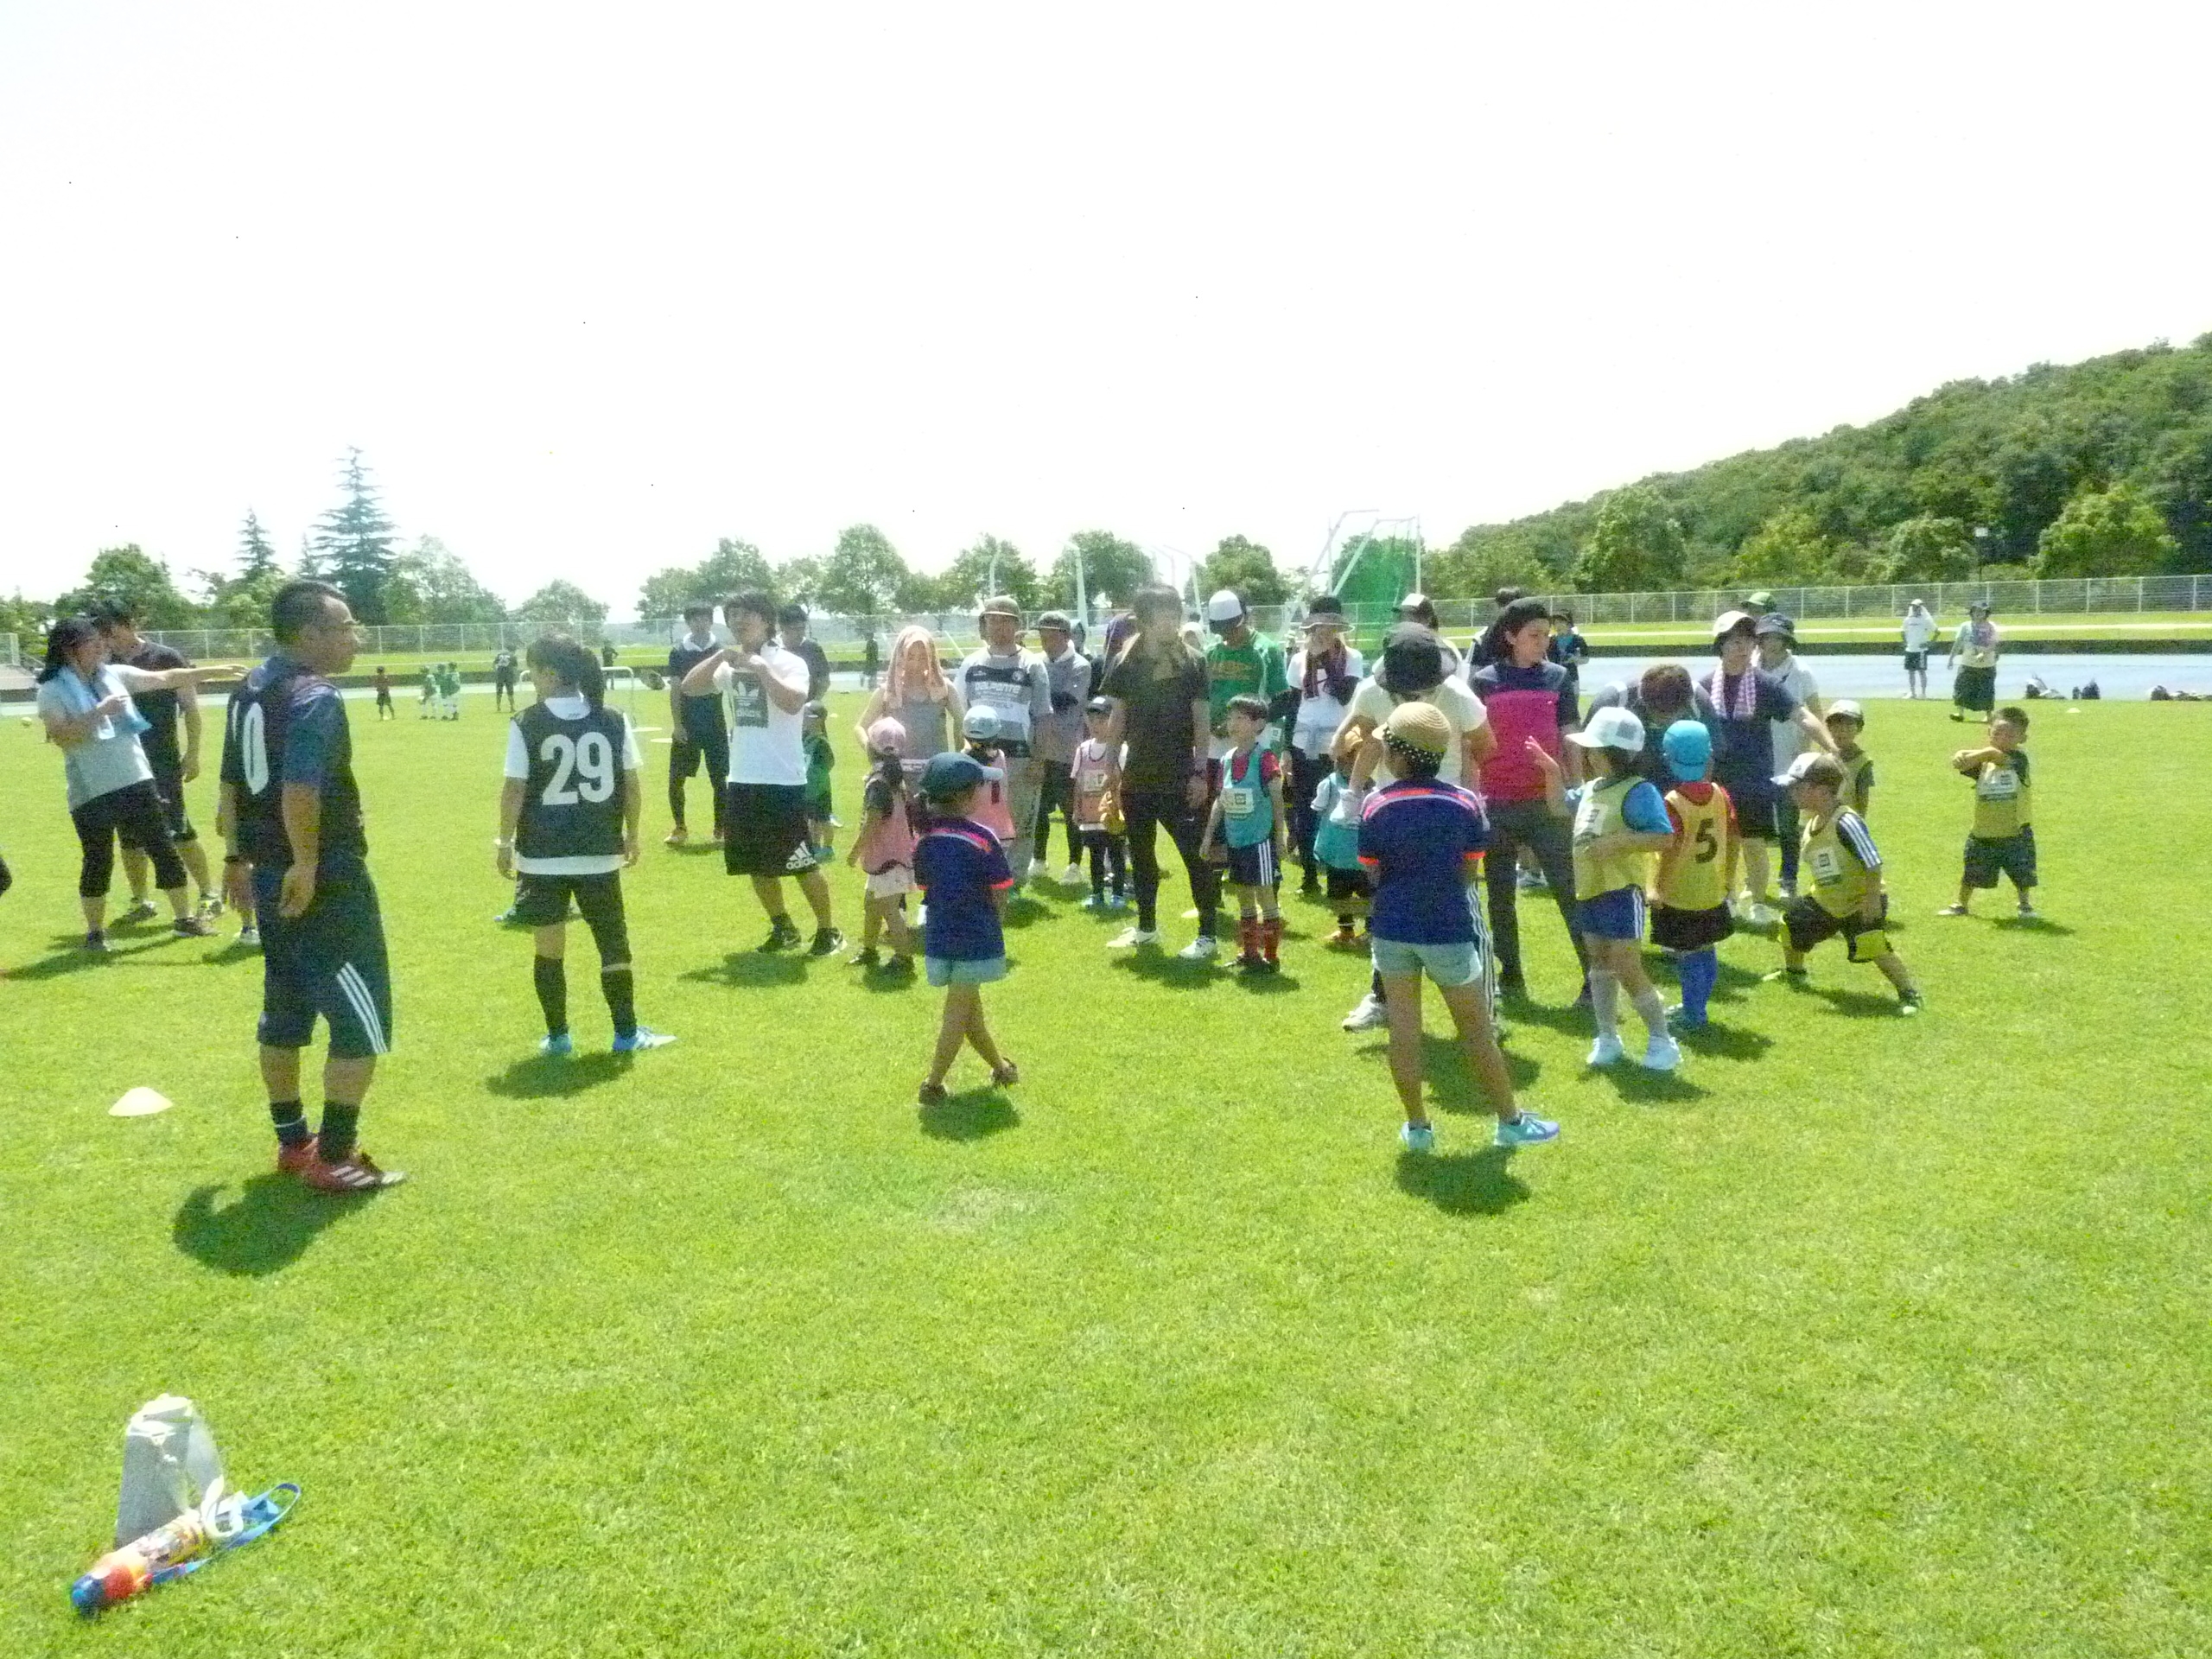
{"x":1459,"y":962}
{"x":1615,"y":915}
{"x":328,"y":963}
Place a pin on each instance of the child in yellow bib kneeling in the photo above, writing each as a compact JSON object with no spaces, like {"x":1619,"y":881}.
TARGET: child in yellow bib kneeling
{"x":1844,"y":870}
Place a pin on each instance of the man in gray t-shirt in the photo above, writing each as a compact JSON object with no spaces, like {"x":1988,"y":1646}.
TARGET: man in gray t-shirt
{"x":1068,"y":674}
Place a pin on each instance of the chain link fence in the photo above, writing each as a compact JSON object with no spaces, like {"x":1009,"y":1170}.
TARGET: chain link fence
{"x":845,"y":637}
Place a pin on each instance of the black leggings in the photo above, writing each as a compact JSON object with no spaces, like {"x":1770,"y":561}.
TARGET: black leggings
{"x":7,"y":878}
{"x":1108,"y":856}
{"x":1306,"y":772}
{"x":684,"y":755}
{"x":1168,"y":809}
{"x":1513,"y":825}
{"x":1056,"y":787}
{"x":135,"y":814}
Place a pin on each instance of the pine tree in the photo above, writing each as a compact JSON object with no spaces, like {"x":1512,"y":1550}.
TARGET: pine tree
{"x":257,"y":554}
{"x":352,"y":544}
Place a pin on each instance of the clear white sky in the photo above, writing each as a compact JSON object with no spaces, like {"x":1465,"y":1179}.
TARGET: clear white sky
{"x":593,"y":286}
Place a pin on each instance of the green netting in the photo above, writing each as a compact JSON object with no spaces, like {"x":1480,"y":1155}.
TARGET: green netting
{"x":1374,"y":572}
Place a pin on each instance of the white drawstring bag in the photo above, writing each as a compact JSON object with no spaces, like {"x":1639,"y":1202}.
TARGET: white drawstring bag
{"x":169,"y":1466}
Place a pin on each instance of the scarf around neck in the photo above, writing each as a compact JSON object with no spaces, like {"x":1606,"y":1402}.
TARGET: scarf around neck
{"x":1746,"y":704}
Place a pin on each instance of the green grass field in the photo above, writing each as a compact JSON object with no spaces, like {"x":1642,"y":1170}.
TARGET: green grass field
{"x":1862,"y":1336}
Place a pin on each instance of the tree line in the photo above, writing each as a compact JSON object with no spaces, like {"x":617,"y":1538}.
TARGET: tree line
{"x":2103,"y":468}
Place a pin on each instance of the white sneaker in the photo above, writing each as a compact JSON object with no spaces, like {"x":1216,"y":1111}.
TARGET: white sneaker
{"x":249,"y":935}
{"x":1038,"y":870}
{"x":1371,"y":1012}
{"x":1201,"y":949}
{"x":1663,"y":1053}
{"x":1604,"y":1051}
{"x":1071,"y":876}
{"x":1133,"y":937}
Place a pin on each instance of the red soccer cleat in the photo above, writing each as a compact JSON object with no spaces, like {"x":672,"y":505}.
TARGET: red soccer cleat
{"x":355,"y":1173}
{"x":296,"y":1160}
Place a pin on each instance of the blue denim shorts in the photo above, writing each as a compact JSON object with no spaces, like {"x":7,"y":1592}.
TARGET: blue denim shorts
{"x":1459,"y":962}
{"x":1615,"y":915}
{"x":964,"y":970}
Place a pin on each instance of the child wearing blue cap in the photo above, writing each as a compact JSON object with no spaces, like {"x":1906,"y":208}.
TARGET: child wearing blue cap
{"x":1689,"y":912}
{"x":964,"y":876}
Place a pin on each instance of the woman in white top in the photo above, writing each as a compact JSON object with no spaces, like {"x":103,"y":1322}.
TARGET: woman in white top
{"x":1973,"y":664}
{"x":917,"y":694}
{"x":1324,"y":673}
{"x":85,"y":701}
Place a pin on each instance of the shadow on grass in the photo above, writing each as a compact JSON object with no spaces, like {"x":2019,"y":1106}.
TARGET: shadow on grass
{"x":1725,"y":1042}
{"x":1167,"y":969}
{"x":1256,"y":983}
{"x":1859,"y":1005}
{"x":269,"y":1226}
{"x":751,"y":968}
{"x":1553,"y":1016}
{"x":970,"y":1115}
{"x":1465,"y":1184}
{"x":70,"y":957}
{"x":882,"y":979}
{"x":1635,"y":1082}
{"x":1025,"y":910}
{"x":543,"y":1077}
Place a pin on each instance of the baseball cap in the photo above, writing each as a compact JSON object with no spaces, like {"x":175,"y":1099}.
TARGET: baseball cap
{"x":1099,"y":706}
{"x":1224,"y":606}
{"x":1688,"y":748}
{"x":1845,"y":709}
{"x":1610,"y":728}
{"x":1000,"y":605}
{"x":1054,"y":619}
{"x":1763,"y":599}
{"x":1325,"y":608}
{"x":1413,"y":662}
{"x":1812,"y":768}
{"x":1776,"y":622}
{"x":955,"y":774}
{"x":886,"y":735}
{"x":1728,"y":621}
{"x":1419,"y":726}
{"x":981,"y":722}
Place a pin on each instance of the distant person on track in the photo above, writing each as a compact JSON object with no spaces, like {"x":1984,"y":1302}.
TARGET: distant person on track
{"x":765,"y":838}
{"x":1568,"y":648}
{"x":698,"y":737}
{"x":1973,"y":661}
{"x":85,"y":703}
{"x":174,"y":765}
{"x":295,"y":808}
{"x":871,"y":659}
{"x":1918,"y":631}
{"x":569,"y":814}
{"x":384,"y":710}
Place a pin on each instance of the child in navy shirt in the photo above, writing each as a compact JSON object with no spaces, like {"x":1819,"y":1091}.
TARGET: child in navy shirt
{"x":1421,"y":839}
{"x":964,"y":878}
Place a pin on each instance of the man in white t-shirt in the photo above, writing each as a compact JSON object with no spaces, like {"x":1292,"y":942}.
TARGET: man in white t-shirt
{"x":764,"y":828}
{"x":1016,"y":685}
{"x":1919,"y":630}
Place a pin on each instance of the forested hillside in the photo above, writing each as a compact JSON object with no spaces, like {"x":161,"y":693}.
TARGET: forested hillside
{"x":2101,"y":469}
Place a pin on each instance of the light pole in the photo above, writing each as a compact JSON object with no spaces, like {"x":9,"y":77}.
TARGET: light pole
{"x":1980,"y":549}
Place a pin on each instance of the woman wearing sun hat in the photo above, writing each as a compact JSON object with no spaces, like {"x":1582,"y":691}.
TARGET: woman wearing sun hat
{"x":1973,"y":661}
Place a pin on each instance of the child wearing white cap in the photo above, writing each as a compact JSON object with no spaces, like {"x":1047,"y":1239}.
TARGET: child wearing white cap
{"x":1619,"y":823}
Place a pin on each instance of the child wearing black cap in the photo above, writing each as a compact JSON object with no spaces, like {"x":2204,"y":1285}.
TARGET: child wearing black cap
{"x":964,"y":877}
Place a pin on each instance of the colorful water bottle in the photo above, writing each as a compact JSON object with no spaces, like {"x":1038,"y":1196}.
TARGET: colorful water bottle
{"x":122,"y":1573}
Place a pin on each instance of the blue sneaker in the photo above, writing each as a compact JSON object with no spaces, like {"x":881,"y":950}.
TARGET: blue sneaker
{"x":1422,"y":1137}
{"x":1526,"y":1131}
{"x":643,"y":1038}
{"x":557,"y":1048}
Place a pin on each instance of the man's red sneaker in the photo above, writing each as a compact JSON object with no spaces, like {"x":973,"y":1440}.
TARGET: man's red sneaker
{"x":295,"y":1159}
{"x":355,"y":1173}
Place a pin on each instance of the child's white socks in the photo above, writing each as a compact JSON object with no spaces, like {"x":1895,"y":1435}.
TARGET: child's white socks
{"x":1604,"y":988}
{"x":1653,"y":1008}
